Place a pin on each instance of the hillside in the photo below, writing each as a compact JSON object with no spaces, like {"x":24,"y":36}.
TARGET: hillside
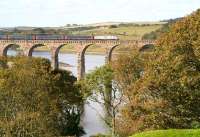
{"x":123,"y":30}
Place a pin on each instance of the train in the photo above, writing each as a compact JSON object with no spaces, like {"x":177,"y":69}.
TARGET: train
{"x":55,"y":37}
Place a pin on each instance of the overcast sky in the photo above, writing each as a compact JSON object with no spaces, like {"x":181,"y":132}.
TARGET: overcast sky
{"x":61,"y":12}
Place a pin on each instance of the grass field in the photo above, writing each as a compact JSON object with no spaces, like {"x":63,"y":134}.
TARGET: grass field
{"x":124,"y":33}
{"x":170,"y":133}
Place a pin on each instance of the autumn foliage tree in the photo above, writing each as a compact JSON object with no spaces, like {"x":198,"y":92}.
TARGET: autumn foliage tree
{"x":36,"y":101}
{"x":165,"y":92}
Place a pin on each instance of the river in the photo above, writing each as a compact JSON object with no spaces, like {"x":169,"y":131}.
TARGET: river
{"x":91,"y":122}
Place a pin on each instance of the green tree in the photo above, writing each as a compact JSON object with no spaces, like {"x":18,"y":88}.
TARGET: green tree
{"x":104,"y":90}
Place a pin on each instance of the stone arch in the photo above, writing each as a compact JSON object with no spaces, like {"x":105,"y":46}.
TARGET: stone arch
{"x":57,"y":50}
{"x":5,"y":49}
{"x":146,"y":47}
{"x":109,"y":53}
{"x":31,"y":49}
{"x":54,"y":56}
{"x":81,"y":61}
{"x":85,"y":49}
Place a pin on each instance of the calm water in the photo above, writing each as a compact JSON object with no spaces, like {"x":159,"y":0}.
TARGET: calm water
{"x":92,"y":123}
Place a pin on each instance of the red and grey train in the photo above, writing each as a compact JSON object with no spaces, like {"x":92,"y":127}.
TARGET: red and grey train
{"x":55,"y":37}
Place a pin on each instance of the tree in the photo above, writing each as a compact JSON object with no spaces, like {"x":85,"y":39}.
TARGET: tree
{"x":167,"y":93}
{"x":128,"y":69}
{"x":101,"y":88}
{"x":36,"y":101}
{"x":113,"y":26}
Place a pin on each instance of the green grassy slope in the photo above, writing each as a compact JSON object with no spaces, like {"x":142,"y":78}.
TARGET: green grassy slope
{"x":123,"y":32}
{"x":170,"y":133}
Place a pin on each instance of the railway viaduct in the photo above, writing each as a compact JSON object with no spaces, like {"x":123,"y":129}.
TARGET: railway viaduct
{"x":81,"y":46}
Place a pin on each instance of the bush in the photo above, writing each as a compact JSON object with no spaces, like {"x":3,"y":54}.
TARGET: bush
{"x":195,"y":125}
{"x":113,"y":26}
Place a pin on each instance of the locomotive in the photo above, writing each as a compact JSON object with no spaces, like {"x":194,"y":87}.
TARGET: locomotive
{"x":55,"y":37}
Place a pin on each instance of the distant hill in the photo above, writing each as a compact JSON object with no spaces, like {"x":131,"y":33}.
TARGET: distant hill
{"x":123,"y":30}
{"x":118,"y":23}
{"x":70,"y":27}
{"x":102,"y":24}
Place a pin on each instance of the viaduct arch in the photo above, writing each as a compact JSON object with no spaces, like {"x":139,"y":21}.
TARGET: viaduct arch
{"x":6,"y":48}
{"x":109,"y":53}
{"x":81,"y":46}
{"x":146,"y":47}
{"x":29,"y":51}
